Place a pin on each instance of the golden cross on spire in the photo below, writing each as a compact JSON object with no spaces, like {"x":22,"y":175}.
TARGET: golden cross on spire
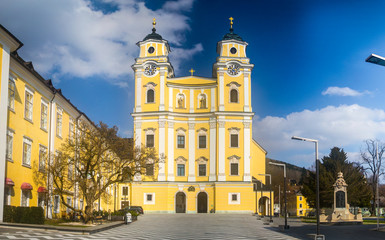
{"x":231,"y":22}
{"x":153,"y":22}
{"x":192,"y":71}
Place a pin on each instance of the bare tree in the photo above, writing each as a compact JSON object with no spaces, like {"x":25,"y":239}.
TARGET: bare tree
{"x":373,"y":166}
{"x":91,"y":161}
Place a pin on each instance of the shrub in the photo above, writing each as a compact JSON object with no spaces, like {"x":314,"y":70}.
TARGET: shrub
{"x":30,"y":215}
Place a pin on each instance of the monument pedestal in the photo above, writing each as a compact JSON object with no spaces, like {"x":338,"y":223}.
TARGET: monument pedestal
{"x":341,"y":213}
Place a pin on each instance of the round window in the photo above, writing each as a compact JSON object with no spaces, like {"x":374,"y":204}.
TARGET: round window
{"x":151,"y":49}
{"x":233,"y":50}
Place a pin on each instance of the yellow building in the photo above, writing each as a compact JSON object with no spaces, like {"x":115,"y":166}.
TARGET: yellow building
{"x":303,"y":207}
{"x":201,"y":128}
{"x":35,"y":119}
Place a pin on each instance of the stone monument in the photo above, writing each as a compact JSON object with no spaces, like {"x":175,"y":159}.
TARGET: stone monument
{"x":341,"y":211}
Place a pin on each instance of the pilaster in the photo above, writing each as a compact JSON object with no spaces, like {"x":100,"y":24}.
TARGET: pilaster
{"x":138,"y":141}
{"x":162,"y":141}
{"x":213,"y":97}
{"x":161,"y":86}
{"x":191,"y":100}
{"x":221,"y":151}
{"x":246,"y":151}
{"x":170,"y":99}
{"x":138,"y":107}
{"x":213,"y":149}
{"x":191,"y":152}
{"x":170,"y":152}
{"x":246,"y":81}
{"x":221,"y":89}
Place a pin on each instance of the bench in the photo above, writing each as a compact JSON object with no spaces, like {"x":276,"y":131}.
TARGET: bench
{"x":98,"y":219}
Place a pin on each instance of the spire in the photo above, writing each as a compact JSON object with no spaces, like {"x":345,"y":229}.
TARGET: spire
{"x":231,"y":35}
{"x":153,"y":25}
{"x":231,"y":24}
{"x":153,"y":35}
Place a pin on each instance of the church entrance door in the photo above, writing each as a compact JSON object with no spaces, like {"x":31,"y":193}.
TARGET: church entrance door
{"x":202,"y":202}
{"x":180,"y":202}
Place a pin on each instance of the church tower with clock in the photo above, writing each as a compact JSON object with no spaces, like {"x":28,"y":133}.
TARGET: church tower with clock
{"x":202,"y":130}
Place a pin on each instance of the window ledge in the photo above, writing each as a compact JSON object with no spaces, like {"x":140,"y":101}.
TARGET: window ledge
{"x":43,"y":129}
{"x":60,"y":137}
{"x":9,"y":160}
{"x":26,"y":165}
{"x":28,"y":120}
{"x":11,"y":109}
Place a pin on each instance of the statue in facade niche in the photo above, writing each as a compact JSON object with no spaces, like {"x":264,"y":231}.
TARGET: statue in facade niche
{"x":202,"y":101}
{"x":180,"y":101}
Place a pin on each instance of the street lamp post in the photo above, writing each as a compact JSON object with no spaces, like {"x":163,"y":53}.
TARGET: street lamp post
{"x":269,"y":175}
{"x":284,"y":188}
{"x":376,"y":59}
{"x":317,"y":175}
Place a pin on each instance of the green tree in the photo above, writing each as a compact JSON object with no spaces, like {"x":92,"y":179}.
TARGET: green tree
{"x":359,"y":193}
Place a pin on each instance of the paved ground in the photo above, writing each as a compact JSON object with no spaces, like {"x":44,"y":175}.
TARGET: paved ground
{"x":205,"y":226}
{"x":169,"y":226}
{"x":350,"y":232}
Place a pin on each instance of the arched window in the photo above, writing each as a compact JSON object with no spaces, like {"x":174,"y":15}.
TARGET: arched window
{"x":233,"y":96}
{"x":150,"y":96}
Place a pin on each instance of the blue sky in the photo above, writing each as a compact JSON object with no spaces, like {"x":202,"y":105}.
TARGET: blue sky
{"x":310,"y":76}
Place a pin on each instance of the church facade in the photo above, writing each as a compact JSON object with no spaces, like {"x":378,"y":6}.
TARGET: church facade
{"x":202,"y":129}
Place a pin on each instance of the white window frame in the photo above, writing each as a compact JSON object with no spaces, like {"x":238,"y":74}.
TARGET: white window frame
{"x":11,"y":97}
{"x":42,"y":150}
{"x":9,"y":149}
{"x":71,"y":129}
{"x":149,"y":131}
{"x":28,"y":195}
{"x":233,"y":160}
{"x":28,"y":108}
{"x":177,"y":169}
{"x":202,"y":132}
{"x":150,"y":86}
{"x":44,"y":115}
{"x":27,"y":155}
{"x":237,"y":202}
{"x":300,"y":205}
{"x":56,"y":207}
{"x":68,"y":210}
{"x":180,"y":132}
{"x":59,"y":124}
{"x":152,"y":202}
{"x":234,"y":131}
{"x":204,"y":164}
{"x":300,"y":198}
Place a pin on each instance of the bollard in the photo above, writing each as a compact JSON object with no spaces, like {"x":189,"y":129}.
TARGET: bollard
{"x":128,"y":218}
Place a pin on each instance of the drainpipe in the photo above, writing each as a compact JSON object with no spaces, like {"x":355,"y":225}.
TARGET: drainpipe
{"x":76,"y":158}
{"x":49,"y":155}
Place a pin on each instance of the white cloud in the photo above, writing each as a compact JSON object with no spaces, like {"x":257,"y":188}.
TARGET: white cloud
{"x":345,"y":126}
{"x":74,"y":38}
{"x":343,"y":91}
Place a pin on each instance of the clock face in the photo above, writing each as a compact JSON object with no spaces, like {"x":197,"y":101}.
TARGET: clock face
{"x":233,"y":69}
{"x":150,"y":69}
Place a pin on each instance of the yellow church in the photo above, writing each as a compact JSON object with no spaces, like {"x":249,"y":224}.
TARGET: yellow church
{"x":202,"y":129}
